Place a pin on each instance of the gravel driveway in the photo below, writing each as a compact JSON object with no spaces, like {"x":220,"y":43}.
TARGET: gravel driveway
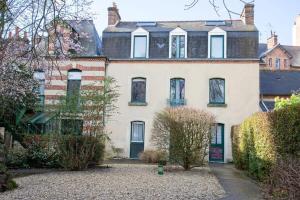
{"x":122,"y":181}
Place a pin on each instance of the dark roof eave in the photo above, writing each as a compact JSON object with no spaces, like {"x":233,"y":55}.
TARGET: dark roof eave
{"x":186,"y":59}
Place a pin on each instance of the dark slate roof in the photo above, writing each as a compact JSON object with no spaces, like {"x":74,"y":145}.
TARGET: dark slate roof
{"x":279,"y":83}
{"x":267,"y":105}
{"x":88,"y":36}
{"x":166,"y":26}
{"x":295,"y":52}
{"x":262,"y":48}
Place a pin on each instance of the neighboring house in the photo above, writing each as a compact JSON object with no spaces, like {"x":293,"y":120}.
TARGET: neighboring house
{"x":277,"y":83}
{"x":275,"y":56}
{"x":209,"y":65}
{"x":279,"y":69}
{"x":80,"y":71}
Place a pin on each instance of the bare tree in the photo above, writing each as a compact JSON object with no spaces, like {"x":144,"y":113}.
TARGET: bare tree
{"x":36,"y":24}
{"x":216,"y":5}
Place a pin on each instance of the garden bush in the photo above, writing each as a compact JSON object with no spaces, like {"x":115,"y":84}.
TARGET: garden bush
{"x":253,"y":145}
{"x":284,"y":179}
{"x":286,"y":129}
{"x":77,"y":152}
{"x":263,"y":140}
{"x":153,"y":156}
{"x":184,"y":133}
{"x":6,"y":183}
{"x":16,"y":158}
{"x":41,"y":152}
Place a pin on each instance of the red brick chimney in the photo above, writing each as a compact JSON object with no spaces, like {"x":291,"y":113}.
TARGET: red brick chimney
{"x":247,"y":15}
{"x":272,"y":41}
{"x":113,"y":15}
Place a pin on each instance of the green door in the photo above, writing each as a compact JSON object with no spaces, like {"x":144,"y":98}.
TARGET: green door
{"x":137,"y":139}
{"x":216,"y":149}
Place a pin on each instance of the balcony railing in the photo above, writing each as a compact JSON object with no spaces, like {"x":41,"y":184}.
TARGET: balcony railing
{"x":176,"y":102}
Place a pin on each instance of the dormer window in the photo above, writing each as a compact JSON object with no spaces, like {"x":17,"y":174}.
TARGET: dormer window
{"x":178,"y":43}
{"x":140,"y":43}
{"x":140,"y":47}
{"x":217,"y":44}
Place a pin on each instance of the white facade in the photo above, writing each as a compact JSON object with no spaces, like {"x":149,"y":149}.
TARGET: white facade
{"x":296,"y":32}
{"x":241,"y":93}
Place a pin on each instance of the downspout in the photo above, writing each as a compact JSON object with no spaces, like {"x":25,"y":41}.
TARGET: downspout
{"x":263,"y":103}
{"x":105,"y":77}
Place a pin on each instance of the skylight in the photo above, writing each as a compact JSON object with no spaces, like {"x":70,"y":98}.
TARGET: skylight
{"x":215,"y":23}
{"x":146,"y":24}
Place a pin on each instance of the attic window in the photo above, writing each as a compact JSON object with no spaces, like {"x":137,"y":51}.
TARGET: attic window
{"x":146,"y":24}
{"x":215,"y":23}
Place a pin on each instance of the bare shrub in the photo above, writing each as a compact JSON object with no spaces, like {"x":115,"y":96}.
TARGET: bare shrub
{"x":284,"y":179}
{"x":152,"y":156}
{"x":184,"y":133}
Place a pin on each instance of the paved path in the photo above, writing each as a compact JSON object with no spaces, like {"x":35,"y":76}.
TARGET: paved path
{"x":237,"y":185}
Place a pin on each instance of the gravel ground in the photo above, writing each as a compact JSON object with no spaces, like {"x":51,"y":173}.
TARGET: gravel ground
{"x":122,"y":181}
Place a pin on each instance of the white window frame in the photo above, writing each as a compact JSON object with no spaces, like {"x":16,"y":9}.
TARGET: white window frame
{"x":277,"y":63}
{"x":217,"y":32}
{"x":180,"y":32}
{"x":139,"y":32}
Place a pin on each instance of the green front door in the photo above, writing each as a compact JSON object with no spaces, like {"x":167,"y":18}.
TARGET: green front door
{"x":216,"y":149}
{"x":137,"y":139}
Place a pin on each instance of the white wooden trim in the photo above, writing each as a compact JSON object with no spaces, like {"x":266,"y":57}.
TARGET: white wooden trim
{"x":178,"y":31}
{"x":217,"y":31}
{"x":139,"y":32}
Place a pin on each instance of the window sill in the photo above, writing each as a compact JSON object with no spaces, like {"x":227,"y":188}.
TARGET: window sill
{"x":137,"y":104}
{"x":221,"y":105}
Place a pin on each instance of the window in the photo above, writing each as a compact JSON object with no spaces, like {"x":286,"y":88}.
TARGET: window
{"x":217,"y":134}
{"x":73,"y":87}
{"x":217,"y":91}
{"x":40,"y":77}
{"x":138,"y":90}
{"x":178,"y":43}
{"x":140,"y":46}
{"x":177,"y":87}
{"x":217,"y":43}
{"x":71,"y":126}
{"x":217,"y":46}
{"x":270,"y":62}
{"x":137,"y":131}
{"x":140,"y":43}
{"x":277,"y":64}
{"x":178,"y":46}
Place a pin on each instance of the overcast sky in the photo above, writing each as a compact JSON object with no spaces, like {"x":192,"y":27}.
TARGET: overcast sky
{"x":276,"y":15}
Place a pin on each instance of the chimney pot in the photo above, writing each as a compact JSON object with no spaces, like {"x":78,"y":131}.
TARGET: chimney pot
{"x":247,"y":15}
{"x":272,"y":41}
{"x":113,"y":15}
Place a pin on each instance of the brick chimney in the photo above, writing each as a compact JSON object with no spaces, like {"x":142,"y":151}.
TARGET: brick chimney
{"x":113,"y":15}
{"x":247,"y":15}
{"x":272,"y":41}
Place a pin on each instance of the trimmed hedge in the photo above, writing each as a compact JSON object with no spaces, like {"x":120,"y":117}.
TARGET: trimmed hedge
{"x":263,"y":137}
{"x":263,"y":142}
{"x":253,"y":146}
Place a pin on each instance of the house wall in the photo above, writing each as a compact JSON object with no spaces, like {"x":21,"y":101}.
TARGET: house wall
{"x":241,"y":93}
{"x":277,"y":53}
{"x":93,"y":72}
